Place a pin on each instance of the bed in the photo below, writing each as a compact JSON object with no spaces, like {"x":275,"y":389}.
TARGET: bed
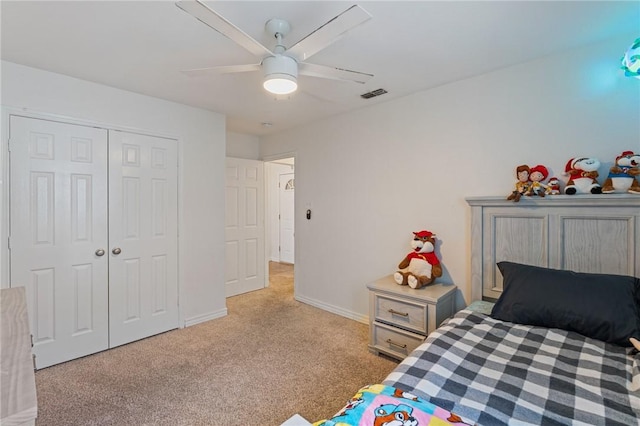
{"x":557,"y":297}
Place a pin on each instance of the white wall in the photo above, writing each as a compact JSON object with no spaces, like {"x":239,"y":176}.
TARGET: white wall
{"x":240,"y":145}
{"x":373,"y":176}
{"x":201,"y":138}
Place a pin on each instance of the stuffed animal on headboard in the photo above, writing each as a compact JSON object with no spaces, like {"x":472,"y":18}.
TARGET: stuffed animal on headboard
{"x":583,"y":174}
{"x":622,"y":176}
{"x":537,"y":176}
{"x":522,"y":183}
{"x":553,"y":186}
{"x":421,"y":267}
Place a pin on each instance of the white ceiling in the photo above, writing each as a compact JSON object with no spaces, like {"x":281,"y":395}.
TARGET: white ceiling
{"x":141,"y":46}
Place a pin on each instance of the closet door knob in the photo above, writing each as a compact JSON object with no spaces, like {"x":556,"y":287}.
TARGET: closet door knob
{"x":99,"y":252}
{"x":116,"y":250}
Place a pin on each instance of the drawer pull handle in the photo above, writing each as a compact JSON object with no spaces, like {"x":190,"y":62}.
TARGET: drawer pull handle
{"x":394,"y":312}
{"x":391,"y":342}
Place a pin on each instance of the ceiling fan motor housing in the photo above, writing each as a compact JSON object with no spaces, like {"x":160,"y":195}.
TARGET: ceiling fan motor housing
{"x":280,"y":74}
{"x":280,"y":64}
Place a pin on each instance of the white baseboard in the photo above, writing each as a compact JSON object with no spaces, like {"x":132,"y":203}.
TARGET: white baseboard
{"x":334,"y":309}
{"x":205,"y":317}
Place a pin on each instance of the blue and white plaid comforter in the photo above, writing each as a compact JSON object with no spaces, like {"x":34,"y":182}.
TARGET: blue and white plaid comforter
{"x":494,"y":372}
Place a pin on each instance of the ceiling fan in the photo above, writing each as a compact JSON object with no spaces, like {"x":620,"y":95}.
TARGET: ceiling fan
{"x":281,"y":66}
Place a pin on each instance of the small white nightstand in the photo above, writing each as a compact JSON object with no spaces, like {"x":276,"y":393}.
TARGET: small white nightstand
{"x":400,"y":317}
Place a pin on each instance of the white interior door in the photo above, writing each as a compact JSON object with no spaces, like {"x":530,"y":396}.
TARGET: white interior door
{"x":244,"y":226}
{"x":286,"y":189}
{"x":58,"y":225}
{"x":143,"y":236}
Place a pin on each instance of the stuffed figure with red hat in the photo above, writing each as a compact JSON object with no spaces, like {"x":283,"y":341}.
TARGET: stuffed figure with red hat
{"x":583,"y":175}
{"x":537,"y":175}
{"x":622,"y":176}
{"x":421,"y":267}
{"x":553,"y":186}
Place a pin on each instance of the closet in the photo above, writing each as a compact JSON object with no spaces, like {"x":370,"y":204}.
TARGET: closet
{"x":93,"y":235}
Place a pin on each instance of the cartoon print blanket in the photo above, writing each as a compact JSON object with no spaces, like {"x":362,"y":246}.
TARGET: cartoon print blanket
{"x":379,"y":405}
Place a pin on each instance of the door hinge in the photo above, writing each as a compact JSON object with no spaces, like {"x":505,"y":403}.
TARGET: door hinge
{"x":9,"y":243}
{"x":9,"y":144}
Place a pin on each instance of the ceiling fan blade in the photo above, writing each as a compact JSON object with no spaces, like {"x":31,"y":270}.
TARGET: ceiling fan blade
{"x":222,"y":70}
{"x":212,"y":19}
{"x":328,"y":33}
{"x":332,"y":73}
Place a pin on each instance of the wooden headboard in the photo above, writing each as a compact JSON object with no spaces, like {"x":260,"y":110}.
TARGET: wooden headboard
{"x":582,"y":233}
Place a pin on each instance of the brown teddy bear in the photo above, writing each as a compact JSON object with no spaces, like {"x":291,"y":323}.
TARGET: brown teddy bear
{"x":420,"y":267}
{"x":622,"y":176}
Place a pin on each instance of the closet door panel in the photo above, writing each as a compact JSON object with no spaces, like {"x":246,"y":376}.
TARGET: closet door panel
{"x":142,"y":236}
{"x":58,"y":224}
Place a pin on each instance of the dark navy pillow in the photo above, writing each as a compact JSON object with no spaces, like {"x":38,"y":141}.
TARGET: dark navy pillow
{"x":600,"y":306}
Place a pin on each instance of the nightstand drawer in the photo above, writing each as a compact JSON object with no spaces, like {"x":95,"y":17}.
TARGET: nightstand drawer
{"x":402,"y":313}
{"x":393,"y":341}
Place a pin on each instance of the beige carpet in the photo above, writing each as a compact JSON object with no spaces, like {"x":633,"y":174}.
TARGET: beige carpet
{"x":269,"y":358}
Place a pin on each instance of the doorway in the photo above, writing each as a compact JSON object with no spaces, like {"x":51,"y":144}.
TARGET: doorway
{"x":286,"y":187}
{"x":280,"y":210}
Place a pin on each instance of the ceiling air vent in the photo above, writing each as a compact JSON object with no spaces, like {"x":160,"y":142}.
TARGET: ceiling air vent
{"x":373,"y":93}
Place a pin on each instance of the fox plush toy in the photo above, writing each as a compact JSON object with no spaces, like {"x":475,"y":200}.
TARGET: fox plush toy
{"x":421,"y":267}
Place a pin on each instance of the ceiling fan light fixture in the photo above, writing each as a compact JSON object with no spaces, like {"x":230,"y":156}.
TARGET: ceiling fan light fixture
{"x":280,"y":84}
{"x":280,"y":74}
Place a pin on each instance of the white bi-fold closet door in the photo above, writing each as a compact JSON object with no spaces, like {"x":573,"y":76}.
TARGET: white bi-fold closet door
{"x":93,"y":235}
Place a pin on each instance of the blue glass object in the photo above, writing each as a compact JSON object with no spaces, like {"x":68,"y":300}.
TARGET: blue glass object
{"x":631,"y":60}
